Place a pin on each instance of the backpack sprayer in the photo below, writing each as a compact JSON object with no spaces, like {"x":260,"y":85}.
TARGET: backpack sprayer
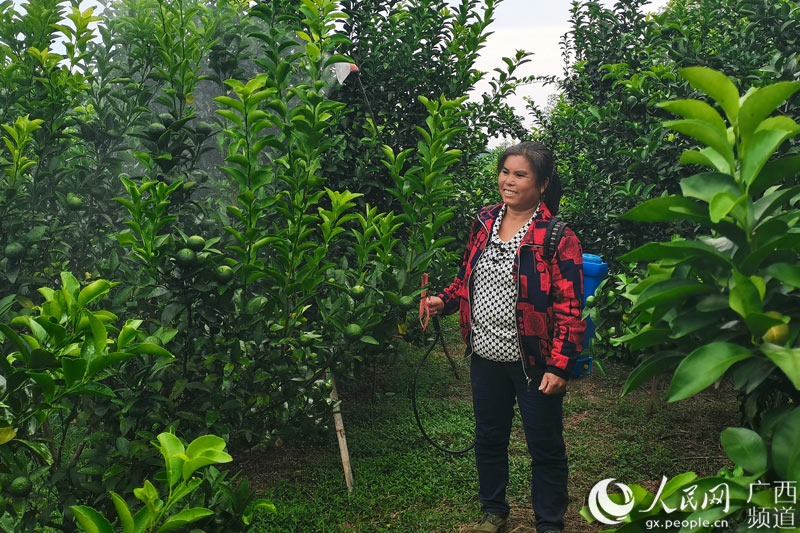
{"x":594,"y":271}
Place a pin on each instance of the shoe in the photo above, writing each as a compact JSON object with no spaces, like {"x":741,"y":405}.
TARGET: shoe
{"x":552,"y":531}
{"x":490,"y":523}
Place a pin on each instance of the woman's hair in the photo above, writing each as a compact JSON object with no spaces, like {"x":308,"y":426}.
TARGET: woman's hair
{"x":541,"y":160}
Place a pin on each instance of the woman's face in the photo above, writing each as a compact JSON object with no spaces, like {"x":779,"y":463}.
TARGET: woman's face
{"x":519,"y":186}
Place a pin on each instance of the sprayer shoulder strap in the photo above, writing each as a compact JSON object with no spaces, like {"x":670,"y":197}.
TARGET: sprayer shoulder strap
{"x":555,"y":229}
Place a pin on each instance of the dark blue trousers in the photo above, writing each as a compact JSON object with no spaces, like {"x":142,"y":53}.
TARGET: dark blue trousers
{"x":495,"y":387}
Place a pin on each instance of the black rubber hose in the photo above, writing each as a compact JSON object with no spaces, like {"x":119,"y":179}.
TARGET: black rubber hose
{"x":433,"y":443}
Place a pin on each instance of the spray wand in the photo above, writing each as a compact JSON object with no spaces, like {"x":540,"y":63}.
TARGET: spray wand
{"x":424,"y":318}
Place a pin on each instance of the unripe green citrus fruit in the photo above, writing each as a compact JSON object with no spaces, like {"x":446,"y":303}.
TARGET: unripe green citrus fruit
{"x":776,"y":334}
{"x":166,"y":118}
{"x":155,"y":130}
{"x":353,"y":331}
{"x":186,"y":257}
{"x":204,"y":128}
{"x":73,"y":201}
{"x":14,"y":251}
{"x":358,"y":292}
{"x":406,"y":303}
{"x":224,"y":273}
{"x":196,"y":243}
{"x":20,"y":486}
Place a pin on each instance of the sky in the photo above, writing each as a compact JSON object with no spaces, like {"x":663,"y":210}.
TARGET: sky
{"x":534,"y":26}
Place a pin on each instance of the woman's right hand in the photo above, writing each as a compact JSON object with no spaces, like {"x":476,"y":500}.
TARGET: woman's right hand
{"x":435,"y":305}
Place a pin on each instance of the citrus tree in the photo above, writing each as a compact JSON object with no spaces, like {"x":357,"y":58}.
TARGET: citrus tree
{"x":724,"y":305}
{"x":61,"y":356}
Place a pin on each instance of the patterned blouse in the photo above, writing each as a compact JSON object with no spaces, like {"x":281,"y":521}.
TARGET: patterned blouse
{"x":494,"y":332}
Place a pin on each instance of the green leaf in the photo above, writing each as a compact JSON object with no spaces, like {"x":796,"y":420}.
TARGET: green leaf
{"x":6,"y":303}
{"x":124,"y":513}
{"x":46,"y":383}
{"x":703,"y":367}
{"x":751,"y":373}
{"x":776,"y":171}
{"x":746,"y":448}
{"x":716,"y":85}
{"x":707,"y":135}
{"x":708,"y":184}
{"x":90,"y":520}
{"x":94,"y":389}
{"x":705,"y":157}
{"x":208,"y":457}
{"x":789,"y":240}
{"x":204,"y":451}
{"x":652,"y":366}
{"x":74,"y":369}
{"x":680,"y":250}
{"x":667,"y":209}
{"x":141,"y":519}
{"x":760,"y":103}
{"x":786,"y":447}
{"x":39,"y":448}
{"x":21,"y":345}
{"x":171,"y":448}
{"x":761,"y":147}
{"x":148,"y":495}
{"x":720,"y":206}
{"x":697,"y":110}
{"x":42,"y":359}
{"x":765,"y":209}
{"x":786,"y":273}
{"x":668,"y":291}
{"x":337,"y":58}
{"x":230,"y":102}
{"x":184,"y":518}
{"x":689,"y":321}
{"x":262,"y":505}
{"x":70,"y":285}
{"x":93,"y":291}
{"x":643,"y":338}
{"x":105,"y":361}
{"x":744,"y":297}
{"x":787,"y":359}
{"x":99,"y":334}
{"x":128,"y":333}
{"x":202,"y":444}
{"x":147,"y":348}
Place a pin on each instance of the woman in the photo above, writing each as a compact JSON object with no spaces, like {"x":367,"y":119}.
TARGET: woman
{"x":521,"y":320}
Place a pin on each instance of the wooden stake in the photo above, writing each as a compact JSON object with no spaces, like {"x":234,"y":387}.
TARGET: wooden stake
{"x":339,"y":425}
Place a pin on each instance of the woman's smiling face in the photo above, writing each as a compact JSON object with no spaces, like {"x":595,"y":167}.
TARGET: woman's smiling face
{"x":519,"y":186}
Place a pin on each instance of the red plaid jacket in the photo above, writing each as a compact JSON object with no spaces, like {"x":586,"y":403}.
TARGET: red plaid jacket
{"x":549,"y":294}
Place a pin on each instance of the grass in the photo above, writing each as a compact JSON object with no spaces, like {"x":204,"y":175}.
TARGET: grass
{"x":404,"y":484}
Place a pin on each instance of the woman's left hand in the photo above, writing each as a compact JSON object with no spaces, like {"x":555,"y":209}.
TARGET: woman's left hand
{"x":552,"y":384}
